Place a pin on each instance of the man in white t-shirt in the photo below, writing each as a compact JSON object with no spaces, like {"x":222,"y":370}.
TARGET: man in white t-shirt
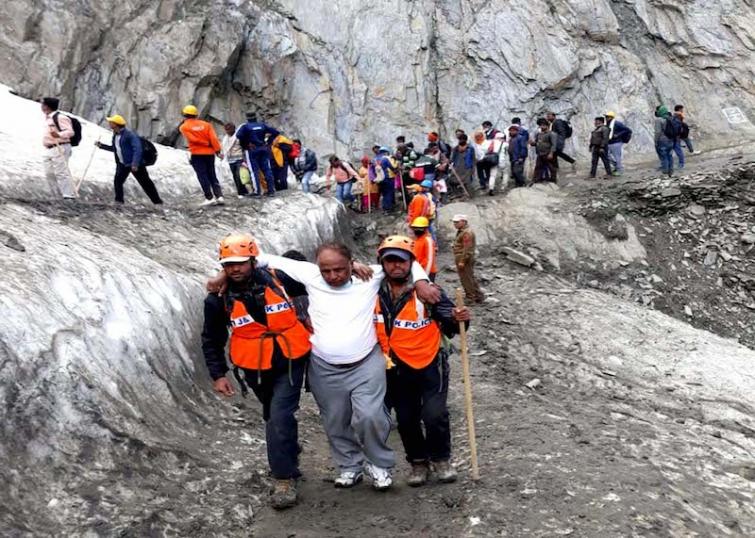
{"x":347,"y":366}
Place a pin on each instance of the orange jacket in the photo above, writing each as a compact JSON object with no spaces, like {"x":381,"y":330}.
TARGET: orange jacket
{"x":420,"y":206}
{"x":425,"y":253}
{"x":415,"y":337}
{"x":200,"y":136}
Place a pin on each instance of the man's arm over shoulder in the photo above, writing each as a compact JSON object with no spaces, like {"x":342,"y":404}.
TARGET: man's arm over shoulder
{"x":215,"y":336}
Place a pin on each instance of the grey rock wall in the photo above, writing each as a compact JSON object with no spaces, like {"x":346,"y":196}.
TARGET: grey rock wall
{"x":344,"y":74}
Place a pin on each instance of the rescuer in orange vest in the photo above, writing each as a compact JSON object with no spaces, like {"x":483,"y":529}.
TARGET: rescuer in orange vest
{"x":425,"y":249}
{"x":268,"y":351}
{"x":410,"y":333}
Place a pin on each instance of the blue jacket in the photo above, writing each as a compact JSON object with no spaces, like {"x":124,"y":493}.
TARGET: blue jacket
{"x":518,"y":147}
{"x":385,"y":164}
{"x":253,"y":132}
{"x":467,"y":155}
{"x":619,"y":130}
{"x":131,"y":148}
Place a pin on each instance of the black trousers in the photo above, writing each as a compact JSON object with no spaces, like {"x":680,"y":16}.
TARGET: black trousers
{"x":517,"y":172}
{"x":545,"y":170}
{"x":142,"y":176}
{"x":483,"y":174}
{"x":599,"y":154}
{"x":279,"y":396}
{"x":420,"y":397}
{"x":204,"y":166}
{"x":236,"y":174}
{"x":561,"y":155}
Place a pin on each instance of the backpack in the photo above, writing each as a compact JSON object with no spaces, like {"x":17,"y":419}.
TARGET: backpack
{"x":684,"y":134}
{"x":569,"y":131}
{"x":626,"y":136}
{"x":149,"y":152}
{"x":76,"y":124}
{"x":672,"y":128}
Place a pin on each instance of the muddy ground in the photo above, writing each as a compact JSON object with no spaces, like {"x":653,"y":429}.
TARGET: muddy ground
{"x":582,"y":453}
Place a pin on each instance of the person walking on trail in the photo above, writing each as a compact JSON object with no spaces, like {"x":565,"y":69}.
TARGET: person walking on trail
{"x":128,"y":152}
{"x":425,"y":247}
{"x":445,"y":149}
{"x":410,"y":333}
{"x":343,"y":175}
{"x":464,"y":257}
{"x":253,"y":136}
{"x":234,"y":156}
{"x":463,"y":161}
{"x":57,"y":142}
{"x":486,"y":158}
{"x":518,"y":150}
{"x":347,"y":367}
{"x":489,"y":130}
{"x":618,"y":135}
{"x":500,"y":171}
{"x":370,"y":191}
{"x":563,"y":130}
{"x":387,"y":169}
{"x":268,"y":345}
{"x":422,"y":204}
{"x":666,"y":131}
{"x":599,"y":147}
{"x":546,"y":146}
{"x":203,"y":146}
{"x":684,"y":136}
{"x":280,"y":149}
{"x":516,"y":121}
{"x":304,"y":165}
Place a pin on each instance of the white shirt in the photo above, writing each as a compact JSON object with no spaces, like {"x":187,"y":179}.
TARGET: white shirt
{"x":342,"y":318}
{"x":118,"y":150}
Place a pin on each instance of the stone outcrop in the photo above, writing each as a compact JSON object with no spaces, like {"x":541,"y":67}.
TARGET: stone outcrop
{"x":346,"y":74}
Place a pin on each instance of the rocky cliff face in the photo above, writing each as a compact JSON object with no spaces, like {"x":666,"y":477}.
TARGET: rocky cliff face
{"x":346,"y":74}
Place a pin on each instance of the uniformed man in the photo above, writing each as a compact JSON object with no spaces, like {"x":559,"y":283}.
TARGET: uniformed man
{"x":464,"y":258}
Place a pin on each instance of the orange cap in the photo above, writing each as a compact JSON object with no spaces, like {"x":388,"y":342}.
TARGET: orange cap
{"x":237,"y":248}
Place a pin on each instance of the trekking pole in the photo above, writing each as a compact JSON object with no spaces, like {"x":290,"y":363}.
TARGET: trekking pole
{"x":91,"y":158}
{"x":459,"y":181}
{"x":467,"y":390}
{"x":403,"y":191}
{"x":368,"y":193}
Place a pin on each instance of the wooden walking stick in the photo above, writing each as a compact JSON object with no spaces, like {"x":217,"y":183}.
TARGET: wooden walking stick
{"x":403,"y":190}
{"x":467,"y":390}
{"x":458,"y":180}
{"x":91,"y":158}
{"x":367,"y":192}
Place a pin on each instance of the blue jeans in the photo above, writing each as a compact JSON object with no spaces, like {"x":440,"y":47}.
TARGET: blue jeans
{"x":388,"y":192}
{"x":260,"y":160}
{"x":664,"y":150}
{"x":305,"y":179}
{"x":343,"y":192}
{"x":614,"y":155}
{"x":279,"y":396}
{"x":679,"y":152}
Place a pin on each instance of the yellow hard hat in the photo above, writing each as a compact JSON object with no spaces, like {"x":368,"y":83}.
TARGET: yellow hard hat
{"x":117,"y":119}
{"x":611,"y":114}
{"x":190,"y":110}
{"x":420,"y":222}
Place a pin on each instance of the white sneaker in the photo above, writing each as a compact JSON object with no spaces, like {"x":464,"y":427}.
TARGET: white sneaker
{"x":206,"y":203}
{"x":381,"y":478}
{"x":219,"y":201}
{"x":348,"y":479}
{"x":241,"y":196}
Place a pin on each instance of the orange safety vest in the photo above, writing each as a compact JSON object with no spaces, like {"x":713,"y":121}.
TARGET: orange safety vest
{"x":252,"y":342}
{"x":415,"y":337}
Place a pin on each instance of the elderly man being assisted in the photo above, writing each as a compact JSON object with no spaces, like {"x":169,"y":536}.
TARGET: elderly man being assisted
{"x":347,"y":366}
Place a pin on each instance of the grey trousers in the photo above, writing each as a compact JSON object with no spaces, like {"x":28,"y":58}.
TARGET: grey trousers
{"x":351,"y":402}
{"x":57,"y":172}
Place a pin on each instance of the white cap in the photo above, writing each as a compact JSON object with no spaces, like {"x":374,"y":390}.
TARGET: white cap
{"x":459,"y":217}
{"x":235,"y":259}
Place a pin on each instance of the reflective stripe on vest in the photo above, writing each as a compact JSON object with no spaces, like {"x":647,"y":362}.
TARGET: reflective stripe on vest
{"x":415,"y":337}
{"x":252,"y":342}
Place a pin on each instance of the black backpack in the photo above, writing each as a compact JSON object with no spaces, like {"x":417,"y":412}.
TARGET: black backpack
{"x":76,"y":124}
{"x":672,"y":128}
{"x":569,"y":131}
{"x":684,"y":134}
{"x":149,"y":152}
